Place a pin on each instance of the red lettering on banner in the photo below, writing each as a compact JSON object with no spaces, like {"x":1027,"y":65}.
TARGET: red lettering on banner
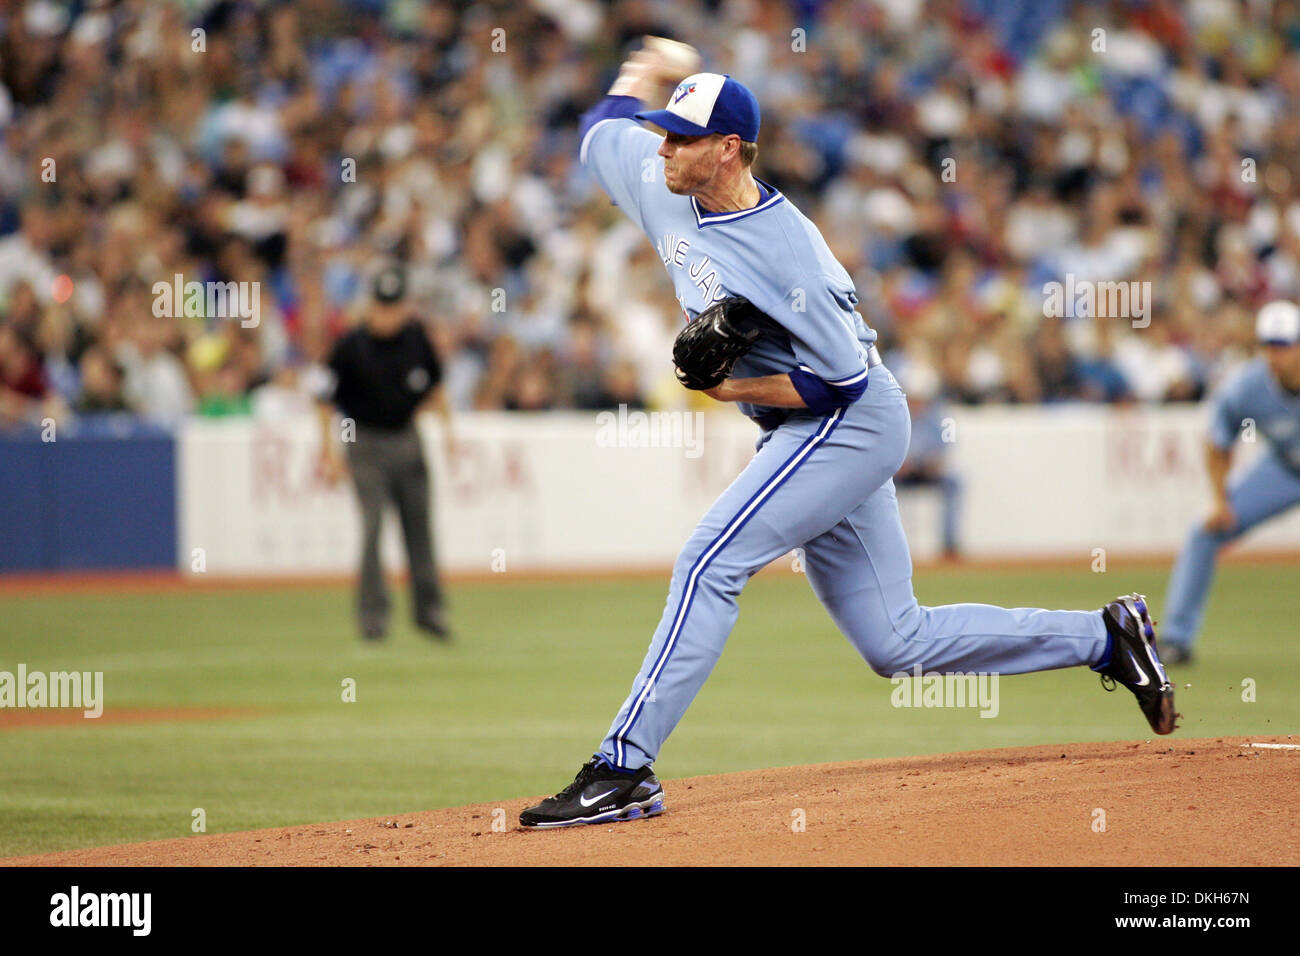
{"x":1144,"y":454}
{"x":477,"y":473}
{"x":515,"y":473}
{"x":1174,"y":462}
{"x":286,"y":469}
{"x":269,"y":458}
{"x":467,"y":471}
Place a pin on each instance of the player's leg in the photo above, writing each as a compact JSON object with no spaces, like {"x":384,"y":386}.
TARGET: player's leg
{"x":793,"y":488}
{"x":861,"y":571}
{"x":951,"y":487}
{"x":806,"y":475}
{"x":366,"y":463}
{"x":410,"y":489}
{"x":731,"y":542}
{"x":1267,"y":489}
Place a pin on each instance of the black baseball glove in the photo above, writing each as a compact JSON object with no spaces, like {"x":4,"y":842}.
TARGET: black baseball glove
{"x":708,"y":347}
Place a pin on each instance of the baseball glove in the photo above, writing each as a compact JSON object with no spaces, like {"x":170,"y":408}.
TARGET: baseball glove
{"x":707,"y":348}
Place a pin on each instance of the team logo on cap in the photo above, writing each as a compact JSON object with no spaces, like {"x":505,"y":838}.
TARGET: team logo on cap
{"x":683,"y":89}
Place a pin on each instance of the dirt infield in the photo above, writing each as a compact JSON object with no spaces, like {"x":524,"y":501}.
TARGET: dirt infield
{"x":1220,"y":801}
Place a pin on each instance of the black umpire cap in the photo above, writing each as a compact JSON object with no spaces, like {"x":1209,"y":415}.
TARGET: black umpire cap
{"x":390,"y":284}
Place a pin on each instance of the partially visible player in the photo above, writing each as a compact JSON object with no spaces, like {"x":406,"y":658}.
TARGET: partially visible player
{"x":1263,"y":398}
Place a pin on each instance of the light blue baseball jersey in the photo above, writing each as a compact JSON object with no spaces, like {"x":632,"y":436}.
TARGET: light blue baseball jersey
{"x":770,"y":254}
{"x":1255,"y":395}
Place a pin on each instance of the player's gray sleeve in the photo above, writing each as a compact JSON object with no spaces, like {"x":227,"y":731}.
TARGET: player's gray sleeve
{"x":620,"y":155}
{"x":831,"y":369}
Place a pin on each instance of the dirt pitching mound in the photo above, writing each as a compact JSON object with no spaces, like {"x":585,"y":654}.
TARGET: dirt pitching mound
{"x":1222,"y":801}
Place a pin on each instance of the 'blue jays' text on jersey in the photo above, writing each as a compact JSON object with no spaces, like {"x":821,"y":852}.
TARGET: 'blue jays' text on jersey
{"x":771,"y":254}
{"x":1255,"y":395}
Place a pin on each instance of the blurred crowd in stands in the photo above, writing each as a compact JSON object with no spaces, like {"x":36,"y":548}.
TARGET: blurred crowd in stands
{"x":958,"y":156}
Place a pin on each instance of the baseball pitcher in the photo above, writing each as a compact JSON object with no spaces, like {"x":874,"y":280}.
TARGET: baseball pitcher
{"x":774,"y":328}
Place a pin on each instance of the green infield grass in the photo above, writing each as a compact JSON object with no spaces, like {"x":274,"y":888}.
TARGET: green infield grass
{"x":526,"y":691}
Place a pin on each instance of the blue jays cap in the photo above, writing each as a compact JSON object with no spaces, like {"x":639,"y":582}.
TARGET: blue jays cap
{"x":708,"y":103}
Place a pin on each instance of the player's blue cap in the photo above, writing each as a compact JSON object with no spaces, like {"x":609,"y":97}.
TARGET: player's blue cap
{"x":1278,"y":323}
{"x":708,"y":103}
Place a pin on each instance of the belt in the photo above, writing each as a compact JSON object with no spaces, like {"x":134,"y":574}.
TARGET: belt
{"x":777,"y":416}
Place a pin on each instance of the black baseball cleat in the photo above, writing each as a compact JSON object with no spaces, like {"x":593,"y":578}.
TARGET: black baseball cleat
{"x":434,"y":624}
{"x":599,"y":794}
{"x":1133,"y":661}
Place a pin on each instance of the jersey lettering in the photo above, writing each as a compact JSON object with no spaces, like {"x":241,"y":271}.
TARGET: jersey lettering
{"x":672,"y":251}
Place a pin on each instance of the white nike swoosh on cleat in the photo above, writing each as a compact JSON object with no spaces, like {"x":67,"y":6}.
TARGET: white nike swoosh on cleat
{"x":586,"y":803}
{"x":1141,"y":673}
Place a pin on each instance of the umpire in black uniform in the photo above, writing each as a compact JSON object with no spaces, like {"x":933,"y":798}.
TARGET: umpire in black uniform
{"x":384,"y":373}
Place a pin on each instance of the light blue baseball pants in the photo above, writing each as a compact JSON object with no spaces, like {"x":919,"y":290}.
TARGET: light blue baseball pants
{"x":825,"y":484}
{"x":1267,"y":489}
